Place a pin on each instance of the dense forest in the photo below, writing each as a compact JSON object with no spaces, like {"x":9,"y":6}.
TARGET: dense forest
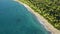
{"x":49,"y":9}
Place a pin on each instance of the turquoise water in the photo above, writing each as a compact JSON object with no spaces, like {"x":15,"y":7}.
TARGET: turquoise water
{"x":16,"y":19}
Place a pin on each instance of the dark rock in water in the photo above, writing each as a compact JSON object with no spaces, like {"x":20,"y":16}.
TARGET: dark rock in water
{"x":16,"y":19}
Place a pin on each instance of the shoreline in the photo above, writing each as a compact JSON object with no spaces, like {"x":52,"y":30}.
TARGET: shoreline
{"x":42,"y":20}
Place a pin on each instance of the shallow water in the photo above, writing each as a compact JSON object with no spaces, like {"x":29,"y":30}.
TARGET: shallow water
{"x":16,"y":19}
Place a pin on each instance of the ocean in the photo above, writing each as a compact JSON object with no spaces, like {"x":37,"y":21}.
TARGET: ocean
{"x":16,"y":19}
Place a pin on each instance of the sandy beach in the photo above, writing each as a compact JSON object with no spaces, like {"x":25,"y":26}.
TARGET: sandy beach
{"x":42,"y":20}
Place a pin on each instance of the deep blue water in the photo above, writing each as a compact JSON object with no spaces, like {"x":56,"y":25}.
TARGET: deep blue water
{"x":16,"y":19}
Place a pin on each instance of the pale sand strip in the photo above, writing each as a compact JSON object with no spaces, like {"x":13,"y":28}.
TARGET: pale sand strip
{"x":42,"y":20}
